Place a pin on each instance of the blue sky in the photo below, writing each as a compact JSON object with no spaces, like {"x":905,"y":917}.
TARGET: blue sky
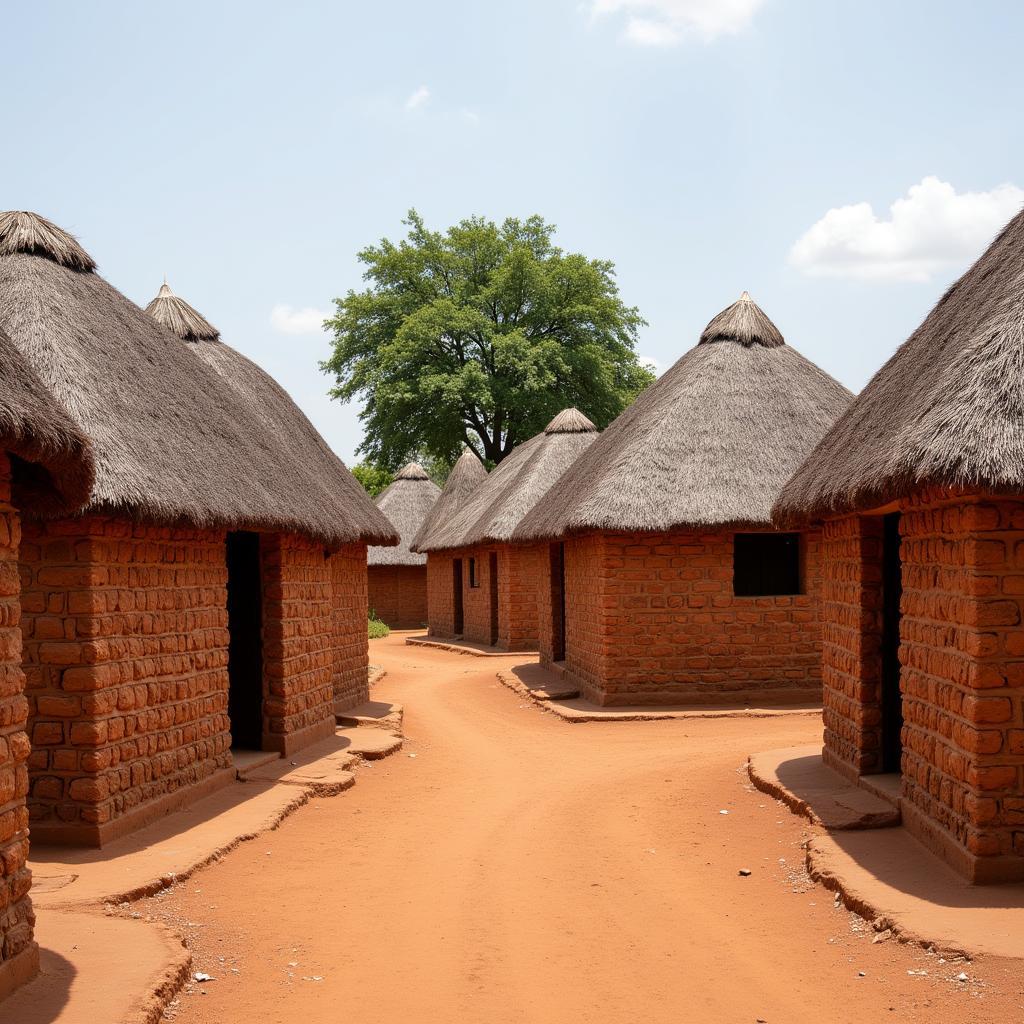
{"x":249,"y":150}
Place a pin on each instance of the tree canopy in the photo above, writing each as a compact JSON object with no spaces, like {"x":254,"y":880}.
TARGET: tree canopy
{"x":479,"y":335}
{"x":373,"y":478}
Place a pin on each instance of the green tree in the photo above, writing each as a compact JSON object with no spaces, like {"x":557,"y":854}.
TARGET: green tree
{"x":479,"y":336}
{"x":373,"y":478}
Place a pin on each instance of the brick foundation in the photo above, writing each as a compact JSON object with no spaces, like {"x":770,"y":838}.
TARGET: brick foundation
{"x":19,"y":955}
{"x":398,"y":594}
{"x":515,"y":595}
{"x":349,"y":608}
{"x":652,"y":619}
{"x":962,"y":672}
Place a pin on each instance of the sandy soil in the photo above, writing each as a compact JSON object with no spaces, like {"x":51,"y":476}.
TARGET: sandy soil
{"x":508,"y":867}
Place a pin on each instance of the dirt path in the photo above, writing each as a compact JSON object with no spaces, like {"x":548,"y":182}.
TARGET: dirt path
{"x":519,"y":869}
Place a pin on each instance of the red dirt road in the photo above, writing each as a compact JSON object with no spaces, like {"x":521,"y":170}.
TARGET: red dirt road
{"x":520,"y":869}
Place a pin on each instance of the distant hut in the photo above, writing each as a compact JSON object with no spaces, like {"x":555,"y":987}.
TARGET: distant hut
{"x":492,"y":583}
{"x":665,"y":580}
{"x":190,"y":606}
{"x":466,"y":476}
{"x":921,"y":490}
{"x":398,"y":576}
{"x":45,"y":465}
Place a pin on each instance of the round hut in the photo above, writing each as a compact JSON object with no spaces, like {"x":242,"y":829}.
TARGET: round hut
{"x":493,"y":584}
{"x":46,"y":467}
{"x":398,"y":575}
{"x":442,"y":601}
{"x":195,"y":566}
{"x":920,"y":490}
{"x":338,"y":614}
{"x":670,"y":583}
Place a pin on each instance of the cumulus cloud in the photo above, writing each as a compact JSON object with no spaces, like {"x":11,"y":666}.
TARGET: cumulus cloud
{"x":931,"y":228}
{"x":668,"y":22}
{"x":417,"y":98}
{"x":288,"y":320}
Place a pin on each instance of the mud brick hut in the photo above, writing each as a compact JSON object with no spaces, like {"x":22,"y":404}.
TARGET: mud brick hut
{"x":482,"y":588}
{"x":192,"y":605}
{"x":663,"y":580}
{"x":920,"y":487}
{"x":398,"y":576}
{"x":45,"y":465}
{"x":444,"y":595}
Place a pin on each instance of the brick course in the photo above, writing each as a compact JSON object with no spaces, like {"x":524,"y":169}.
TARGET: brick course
{"x":962,"y":671}
{"x":652,"y":619}
{"x":398,"y":594}
{"x":16,"y":917}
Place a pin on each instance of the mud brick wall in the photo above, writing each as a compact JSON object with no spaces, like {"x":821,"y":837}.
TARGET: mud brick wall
{"x":519,"y":569}
{"x":476,"y":601}
{"x":652,"y":619}
{"x":125,"y":653}
{"x":440,"y":596}
{"x":299,"y":649}
{"x":851,"y":597}
{"x":349,"y":613}
{"x":547,"y":599}
{"x":962,"y":675}
{"x":398,"y":594}
{"x":16,"y":917}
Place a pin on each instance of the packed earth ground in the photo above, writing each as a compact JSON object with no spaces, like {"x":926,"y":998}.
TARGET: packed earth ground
{"x":506,"y":866}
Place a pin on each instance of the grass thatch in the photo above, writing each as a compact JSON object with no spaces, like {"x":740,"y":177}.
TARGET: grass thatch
{"x":946,"y":410}
{"x":173,"y":440}
{"x":710,"y":443}
{"x":58,"y":471}
{"x":179,"y":317}
{"x":407,"y":502}
{"x":21,"y":231}
{"x":466,"y":476}
{"x":515,"y":486}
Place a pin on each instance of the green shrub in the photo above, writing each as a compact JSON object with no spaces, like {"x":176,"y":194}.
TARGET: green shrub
{"x":377,"y":629}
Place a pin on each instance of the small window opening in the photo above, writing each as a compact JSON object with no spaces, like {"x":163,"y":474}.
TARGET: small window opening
{"x":474,"y":580}
{"x":766,"y":564}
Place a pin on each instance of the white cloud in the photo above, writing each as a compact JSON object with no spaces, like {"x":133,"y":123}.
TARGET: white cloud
{"x":417,"y":98}
{"x":667,"y":22}
{"x":297,"y":321}
{"x":650,"y":363}
{"x":928,"y":230}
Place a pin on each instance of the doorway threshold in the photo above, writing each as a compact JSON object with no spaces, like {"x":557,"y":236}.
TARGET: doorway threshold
{"x":246,"y":761}
{"x":887,"y":786}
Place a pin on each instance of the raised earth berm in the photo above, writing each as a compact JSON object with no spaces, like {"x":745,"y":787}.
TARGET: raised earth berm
{"x":550,"y":689}
{"x":466,"y":647}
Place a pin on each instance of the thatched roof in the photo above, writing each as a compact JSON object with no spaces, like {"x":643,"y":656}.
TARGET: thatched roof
{"x":308,"y":468}
{"x":517,"y":484}
{"x":172,"y":441}
{"x":58,"y":471}
{"x":710,"y":443}
{"x":946,"y":410}
{"x":406,"y":502}
{"x":466,"y":476}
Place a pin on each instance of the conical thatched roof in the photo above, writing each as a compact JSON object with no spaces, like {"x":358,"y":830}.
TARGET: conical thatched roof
{"x":59,"y":474}
{"x":172,"y":441}
{"x":517,"y":484}
{"x":946,"y":410}
{"x":466,"y":476}
{"x":407,"y":502}
{"x":710,"y":443}
{"x":310,"y":468}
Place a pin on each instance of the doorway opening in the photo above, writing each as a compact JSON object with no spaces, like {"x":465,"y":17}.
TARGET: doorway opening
{"x":457,"y":618}
{"x":557,"y":557}
{"x":492,"y":567}
{"x":892,"y":698}
{"x":245,"y":640}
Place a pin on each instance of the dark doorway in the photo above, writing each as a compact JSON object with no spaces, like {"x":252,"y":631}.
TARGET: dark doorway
{"x":892,"y":698}
{"x":557,"y":602}
{"x":457,"y":596}
{"x":245,"y":641}
{"x":492,"y":565}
